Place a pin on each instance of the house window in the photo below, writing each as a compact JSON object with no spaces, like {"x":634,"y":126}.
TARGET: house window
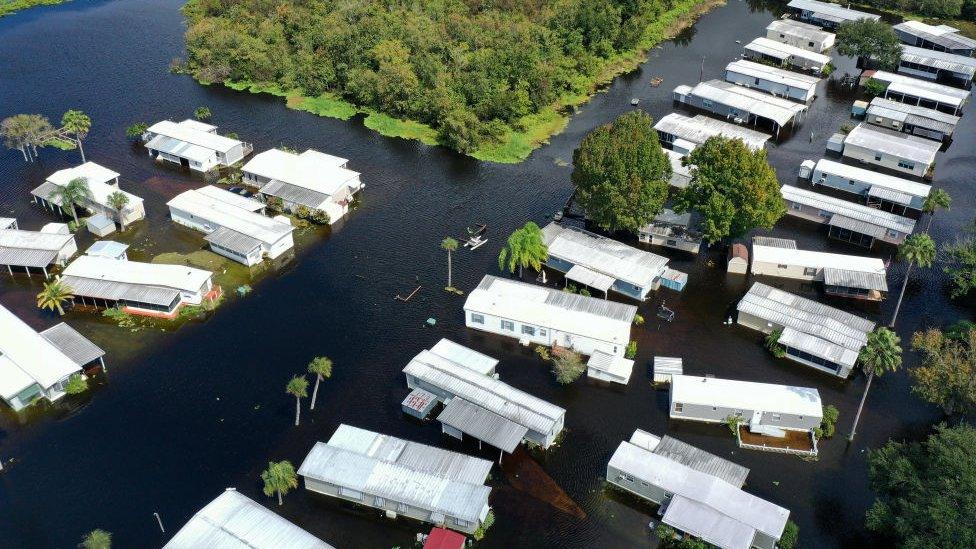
{"x":379,"y":502}
{"x":707,"y":103}
{"x":477,"y":318}
{"x":824,"y":214}
{"x":642,"y":483}
{"x":508,"y":325}
{"x":528,"y":330}
{"x":777,"y":417}
{"x":796,"y":206}
{"x":714,"y":408}
{"x":542,"y":332}
{"x":351,"y":494}
{"x":809,"y":271}
{"x":892,"y":233}
{"x":679,"y":407}
{"x":781,"y":266}
{"x":626,"y":478}
{"x":401,"y":507}
{"x":877,"y":157}
{"x":810,"y":44}
{"x":906,"y":164}
{"x":462,"y":522}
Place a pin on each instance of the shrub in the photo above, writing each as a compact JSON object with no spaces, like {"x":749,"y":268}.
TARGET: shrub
{"x":320,"y":217}
{"x":875,"y":87}
{"x":302,"y":212}
{"x":772,"y":343}
{"x":732,"y":421}
{"x":631,"y":350}
{"x":638,"y":320}
{"x":76,"y":384}
{"x":202,"y":113}
{"x":828,"y":426}
{"x":567,"y":365}
{"x":485,"y":525}
{"x":790,"y":534}
{"x":136,"y":130}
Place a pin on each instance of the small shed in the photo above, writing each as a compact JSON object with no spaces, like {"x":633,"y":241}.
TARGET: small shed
{"x":675,"y":280}
{"x":859,"y":109}
{"x":738,"y":260}
{"x":608,"y":367}
{"x":665,"y":367}
{"x":100,"y":225}
{"x":442,"y":538}
{"x":109,"y":249}
{"x":806,"y":169}
{"x":836,"y":142}
{"x":419,"y":403}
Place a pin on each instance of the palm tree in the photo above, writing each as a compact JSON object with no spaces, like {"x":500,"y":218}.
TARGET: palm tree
{"x":279,"y":478}
{"x":918,"y":249}
{"x":450,"y":245}
{"x":71,"y":195}
{"x":525,"y":248}
{"x":54,"y":295}
{"x":321,"y":366}
{"x":882,"y":354}
{"x":937,"y":199}
{"x":119,"y":200}
{"x":96,"y":539}
{"x":78,"y":124}
{"x":297,"y":387}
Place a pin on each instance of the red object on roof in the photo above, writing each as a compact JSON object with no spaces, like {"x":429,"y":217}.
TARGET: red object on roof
{"x":440,"y":538}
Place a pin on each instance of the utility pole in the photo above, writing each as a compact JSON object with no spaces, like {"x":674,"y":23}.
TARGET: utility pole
{"x":701,"y":72}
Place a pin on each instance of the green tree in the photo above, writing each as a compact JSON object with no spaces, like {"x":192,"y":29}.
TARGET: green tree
{"x":773,"y":344}
{"x":298,"y":388}
{"x":25,"y":132}
{"x":202,"y":113}
{"x":918,"y":249}
{"x":72,"y":195}
{"x":925,"y":496}
{"x":621,"y":173}
{"x":567,"y":365}
{"x":525,"y":248}
{"x":881,"y":355}
{"x":54,"y":295}
{"x":733,"y":187}
{"x":961,"y":259}
{"x":791,"y":533}
{"x":875,"y":88}
{"x":450,"y":245}
{"x":947,"y":373}
{"x":279,"y":478}
{"x":938,"y":199}
{"x":670,"y":539}
{"x":321,"y":368}
{"x":136,"y":130}
{"x":874,"y":40}
{"x":77,"y":124}
{"x":828,"y":425}
{"x":76,"y":384}
{"x":96,"y":539}
{"x":119,"y":200}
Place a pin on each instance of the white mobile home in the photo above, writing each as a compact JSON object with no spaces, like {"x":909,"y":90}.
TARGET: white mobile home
{"x":847,"y":221}
{"x":895,"y":151}
{"x":312,"y":179}
{"x":712,"y":400}
{"x":151,"y":289}
{"x":934,"y":37}
{"x":233,"y":226}
{"x":546,"y":316}
{"x":776,"y":81}
{"x":482,"y":406}
{"x":867,"y":275}
{"x":911,"y":119}
{"x":37,"y":365}
{"x":400,"y":477}
{"x":800,"y":35}
{"x":193,"y":145}
{"x":683,"y":133}
{"x":741,"y":104}
{"x":916,"y":91}
{"x":825,"y":14}
{"x":101,"y":182}
{"x":601,"y":263}
{"x":814,"y":334}
{"x":956,"y":70}
{"x":35,"y":249}
{"x":233,"y":520}
{"x":882,"y":191}
{"x":765,"y":49}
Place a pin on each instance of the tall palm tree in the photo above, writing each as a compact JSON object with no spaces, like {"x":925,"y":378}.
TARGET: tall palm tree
{"x":298,"y":388}
{"x":450,"y":245}
{"x":936,"y":200}
{"x":54,"y":295}
{"x":78,"y":124}
{"x":918,"y":249}
{"x":882,"y":354}
{"x":279,"y":478}
{"x":119,"y":200}
{"x":321,"y":366}
{"x":525,"y":248}
{"x":72,"y":195}
{"x":96,"y":539}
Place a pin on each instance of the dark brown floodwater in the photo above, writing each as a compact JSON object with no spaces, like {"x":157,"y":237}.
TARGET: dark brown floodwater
{"x":183,"y":415}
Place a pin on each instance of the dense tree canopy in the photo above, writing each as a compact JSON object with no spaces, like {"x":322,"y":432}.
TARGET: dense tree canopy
{"x":621,"y":174}
{"x":469,"y":68}
{"x":927,"y":490}
{"x":947,"y":374}
{"x":961,"y":263}
{"x":733,"y":187}
{"x":874,"y":40}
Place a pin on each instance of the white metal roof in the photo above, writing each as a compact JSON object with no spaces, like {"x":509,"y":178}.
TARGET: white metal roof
{"x":235,"y":521}
{"x":777,"y":109}
{"x":215,"y":206}
{"x":783,"y":51}
{"x":192,"y":133}
{"x":26,"y":357}
{"x":816,"y":260}
{"x":485,"y":425}
{"x":616,"y":366}
{"x":600,"y":319}
{"x":832,"y":12}
{"x":897,"y":144}
{"x":941,"y":60}
{"x":234,"y":199}
{"x":906,"y":85}
{"x":465,"y":356}
{"x":179,"y":277}
{"x":742,"y":514}
{"x":802,"y":30}
{"x":603,"y":255}
{"x":313,"y":170}
{"x":943,"y":35}
{"x":847,"y":209}
{"x":680,"y":174}
{"x":491,"y":394}
{"x":36,"y":240}
{"x":107,"y":248}
{"x":873,"y":178}
{"x":98,"y":178}
{"x":915,"y":115}
{"x":773,"y":74}
{"x":746,"y":395}
{"x":699,"y":128}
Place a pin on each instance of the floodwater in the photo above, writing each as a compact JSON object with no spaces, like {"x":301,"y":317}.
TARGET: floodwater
{"x":180,"y":416}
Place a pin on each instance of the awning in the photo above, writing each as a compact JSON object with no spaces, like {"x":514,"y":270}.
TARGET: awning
{"x":75,"y":346}
{"x":890,"y":195}
{"x":855,"y":279}
{"x":588,"y":277}
{"x":234,"y":241}
{"x":482,"y":424}
{"x":24,"y":257}
{"x":857,"y":226}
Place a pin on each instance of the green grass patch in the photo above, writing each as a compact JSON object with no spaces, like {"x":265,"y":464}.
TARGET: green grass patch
{"x":394,"y":127}
{"x":61,"y":143}
{"x":516,"y":146}
{"x":10,"y":6}
{"x":227,"y":273}
{"x":257,"y":87}
{"x":326,"y":104}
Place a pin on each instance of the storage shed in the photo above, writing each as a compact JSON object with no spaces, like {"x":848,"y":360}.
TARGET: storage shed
{"x":607,"y":367}
{"x":665,"y":367}
{"x":738,"y":258}
{"x":419,"y":403}
{"x":99,"y":225}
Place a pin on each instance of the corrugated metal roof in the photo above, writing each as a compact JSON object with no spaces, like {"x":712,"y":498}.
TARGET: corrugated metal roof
{"x":699,"y":128}
{"x":778,"y":255}
{"x":588,"y":277}
{"x":190,"y":133}
{"x":914,"y":114}
{"x":748,"y":100}
{"x":22,"y":257}
{"x":28,"y":355}
{"x":942,"y":35}
{"x":702,"y":461}
{"x":857,"y":226}
{"x":235,"y":521}
{"x":773,"y":242}
{"x":616,"y":366}
{"x":680,"y":174}
{"x":75,"y":346}
{"x":294,"y":193}
{"x":906,"y":85}
{"x":320,"y":173}
{"x":8,"y":223}
{"x":830,"y":11}
{"x":222,"y":212}
{"x":773,"y":74}
{"x":816,"y":346}
{"x":939,"y":59}
{"x":707,"y":524}
{"x":107,"y":248}
{"x":805,"y":31}
{"x":668,"y":365}
{"x":855,"y":279}
{"x":783,"y":51}
{"x":897,"y":144}
{"x":747,"y":395}
{"x":233,"y":240}
{"x":870,"y":178}
{"x":890,"y":195}
{"x":482,"y":424}
{"x":465,"y":356}
{"x":116,"y":291}
{"x":878,"y":219}
{"x":614,"y":260}
{"x":180,"y":277}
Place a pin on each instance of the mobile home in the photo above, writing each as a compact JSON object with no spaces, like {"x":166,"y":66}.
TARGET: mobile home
{"x":35,"y":249}
{"x":882,"y":191}
{"x":713,"y":400}
{"x":766,"y":49}
{"x":682,"y":133}
{"x":672,"y":230}
{"x":847,"y":221}
{"x":956,"y":70}
{"x":851,"y":275}
{"x":915,"y":91}
{"x":892,"y":150}
{"x":741,"y":104}
{"x":101,"y":182}
{"x":934,"y":37}
{"x":772,"y":80}
{"x":800,"y":35}
{"x":825,"y":14}
{"x":911,"y":119}
{"x":193,"y":145}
